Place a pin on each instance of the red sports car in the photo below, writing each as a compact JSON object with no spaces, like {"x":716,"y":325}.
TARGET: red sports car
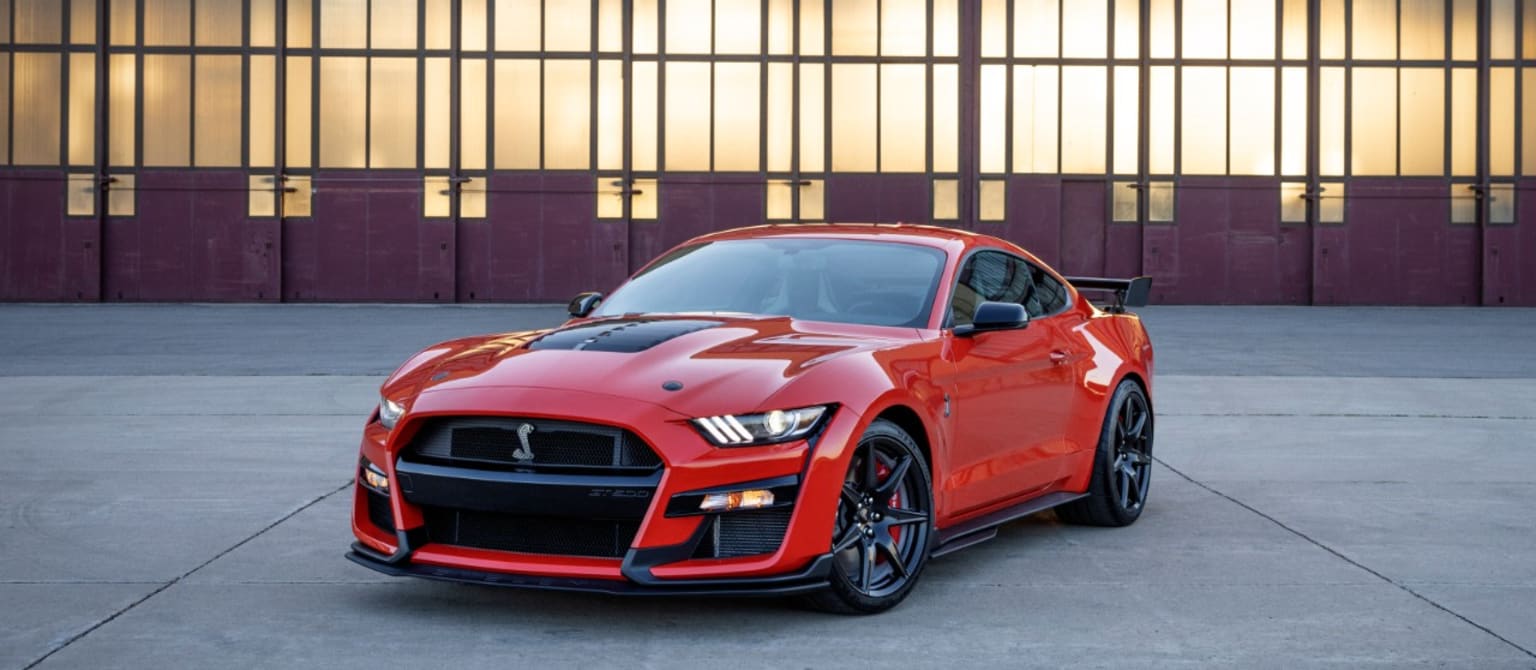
{"x":811,"y":410}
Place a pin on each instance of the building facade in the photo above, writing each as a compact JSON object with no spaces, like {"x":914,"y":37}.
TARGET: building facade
{"x":1240,"y":151}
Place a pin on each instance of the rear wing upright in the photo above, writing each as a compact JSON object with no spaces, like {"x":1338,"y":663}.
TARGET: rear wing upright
{"x":1131,"y":292}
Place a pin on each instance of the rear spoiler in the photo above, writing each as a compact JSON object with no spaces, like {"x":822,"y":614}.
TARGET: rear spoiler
{"x":1128,"y":292}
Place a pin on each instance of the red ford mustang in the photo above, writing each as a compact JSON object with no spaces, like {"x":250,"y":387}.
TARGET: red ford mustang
{"x":810,"y":410}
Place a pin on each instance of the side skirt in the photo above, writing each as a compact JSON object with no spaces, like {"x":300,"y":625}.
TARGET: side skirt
{"x":983,"y":528}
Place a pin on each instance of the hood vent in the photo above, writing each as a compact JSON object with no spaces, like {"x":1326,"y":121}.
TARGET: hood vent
{"x":620,"y":336}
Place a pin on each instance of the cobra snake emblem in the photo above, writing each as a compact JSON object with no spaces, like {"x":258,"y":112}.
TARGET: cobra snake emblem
{"x":524,"y":453}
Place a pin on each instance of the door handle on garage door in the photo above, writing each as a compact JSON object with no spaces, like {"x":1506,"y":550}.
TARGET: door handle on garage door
{"x":1058,"y":357}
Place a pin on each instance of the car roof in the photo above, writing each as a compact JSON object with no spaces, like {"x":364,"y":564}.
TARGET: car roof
{"x":911,"y":233}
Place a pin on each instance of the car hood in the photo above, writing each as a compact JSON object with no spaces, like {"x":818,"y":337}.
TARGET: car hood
{"x":693,"y":365}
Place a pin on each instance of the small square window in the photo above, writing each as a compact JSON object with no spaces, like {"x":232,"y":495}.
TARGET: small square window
{"x":472,"y":198}
{"x":1293,"y":202}
{"x":120,"y":195}
{"x":1160,"y":205}
{"x":81,"y":200}
{"x":436,"y":197}
{"x":1127,"y":196}
{"x":779,"y":198}
{"x":994,"y":200}
{"x":1330,"y":202}
{"x":813,"y":195}
{"x":262,"y":190}
{"x":1463,"y":204}
{"x":298,"y":192}
{"x":946,"y":199}
{"x":1501,"y":203}
{"x":644,"y":199}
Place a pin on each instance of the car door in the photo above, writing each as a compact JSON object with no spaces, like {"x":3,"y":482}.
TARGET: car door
{"x":1007,"y":393}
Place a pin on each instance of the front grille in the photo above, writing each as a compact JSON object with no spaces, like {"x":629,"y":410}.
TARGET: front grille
{"x":379,"y":512}
{"x":494,"y":442}
{"x":530,"y":534}
{"x":744,"y":533}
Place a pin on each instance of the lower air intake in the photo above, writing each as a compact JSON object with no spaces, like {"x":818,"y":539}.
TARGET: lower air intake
{"x":530,"y":534}
{"x":745,"y":533}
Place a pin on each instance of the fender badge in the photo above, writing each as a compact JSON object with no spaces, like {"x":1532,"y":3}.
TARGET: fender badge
{"x":672,"y":385}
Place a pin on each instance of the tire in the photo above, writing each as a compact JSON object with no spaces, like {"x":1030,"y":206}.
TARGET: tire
{"x":1122,"y":464}
{"x":884,"y":528}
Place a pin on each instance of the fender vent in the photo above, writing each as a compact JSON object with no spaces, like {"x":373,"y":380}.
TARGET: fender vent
{"x":744,"y":533}
{"x":620,"y":336}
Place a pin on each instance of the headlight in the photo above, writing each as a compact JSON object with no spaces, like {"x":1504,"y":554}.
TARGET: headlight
{"x":780,"y":425}
{"x":390,"y":412}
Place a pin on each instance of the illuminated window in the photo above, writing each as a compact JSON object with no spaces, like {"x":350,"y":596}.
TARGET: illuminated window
{"x":1422,"y":106}
{"x":1373,"y":121}
{"x":1528,"y":134}
{"x":1035,"y":24}
{"x":1204,"y":29}
{"x":218,"y":23}
{"x":643,"y":26}
{"x":610,"y":197}
{"x":1295,"y":26}
{"x":1203,"y":130}
{"x":946,"y":118}
{"x":643,"y":119}
{"x":122,"y":83}
{"x":610,"y":25}
{"x":610,"y":114}
{"x":1034,"y":119}
{"x":1293,"y":202}
{"x":813,"y":138}
{"x":946,"y":199}
{"x":167,"y":110}
{"x":124,"y":28}
{"x":1330,"y":122}
{"x":80,"y":195}
{"x":1251,"y":132}
{"x":263,"y":23}
{"x":392,"y":24}
{"x":993,"y":200}
{"x":1501,"y":203}
{"x":1374,"y":29}
{"x":855,"y":26}
{"x":1501,"y":121}
{"x":472,"y":101}
{"x":297,"y":116}
{"x":994,"y":28}
{"x":343,"y":112}
{"x":262,"y":111}
{"x":392,"y":113}
{"x":1330,"y":202}
{"x":688,"y":24}
{"x":435,"y":98}
{"x":1161,"y":28}
{"x":904,"y":27}
{"x":121,"y":195}
{"x":1124,"y":201}
{"x":1253,"y":29}
{"x":297,"y":195}
{"x":738,"y":27}
{"x":517,"y":114}
{"x":687,"y":85}
{"x":1160,"y":201}
{"x":82,"y":21}
{"x":1127,"y":87}
{"x":1501,"y":28}
{"x":736,"y":116}
{"x":779,"y":126}
{"x":438,"y":27}
{"x":1084,"y":27}
{"x":779,"y":200}
{"x":1330,"y":33}
{"x":436,"y":197}
{"x":567,"y":25}
{"x":903,"y":121}
{"x":1464,"y":122}
{"x":1160,"y":133}
{"x":5,"y":105}
{"x":472,"y":198}
{"x":813,"y":198}
{"x":1293,"y":121}
{"x":1423,"y":29}
{"x":82,"y":108}
{"x":217,"y":112}
{"x":473,"y":25}
{"x":854,"y":122}
{"x":35,"y":106}
{"x":343,"y":24}
{"x":1463,"y":204}
{"x":263,"y":195}
{"x":300,"y":23}
{"x":994,"y":118}
{"x":1083,"y":113}
{"x":644,"y":199}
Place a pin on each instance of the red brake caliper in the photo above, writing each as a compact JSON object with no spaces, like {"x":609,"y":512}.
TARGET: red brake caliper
{"x":881,"y":472}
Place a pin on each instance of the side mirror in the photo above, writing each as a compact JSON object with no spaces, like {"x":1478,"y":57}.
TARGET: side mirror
{"x":995,"y":316}
{"x":584,"y":303}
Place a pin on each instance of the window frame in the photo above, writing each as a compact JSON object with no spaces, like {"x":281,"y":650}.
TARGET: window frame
{"x":948,"y":324}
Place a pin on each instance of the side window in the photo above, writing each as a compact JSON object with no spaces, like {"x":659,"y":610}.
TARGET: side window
{"x":1049,"y":296}
{"x":989,"y":276}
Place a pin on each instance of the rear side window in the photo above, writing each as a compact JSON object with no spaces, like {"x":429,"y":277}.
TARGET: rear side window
{"x":989,"y":276}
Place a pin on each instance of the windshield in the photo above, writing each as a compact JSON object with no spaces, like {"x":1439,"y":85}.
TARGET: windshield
{"x":876,"y":283}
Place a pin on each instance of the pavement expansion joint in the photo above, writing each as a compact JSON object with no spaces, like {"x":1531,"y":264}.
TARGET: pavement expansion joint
{"x":130,"y":606}
{"x":1400,"y":585}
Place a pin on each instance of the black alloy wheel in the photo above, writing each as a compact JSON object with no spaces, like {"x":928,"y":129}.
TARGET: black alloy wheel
{"x":1122,"y":465}
{"x":884,"y":527}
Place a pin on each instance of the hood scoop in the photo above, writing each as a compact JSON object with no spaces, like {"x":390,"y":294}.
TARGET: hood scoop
{"x":626,"y":337}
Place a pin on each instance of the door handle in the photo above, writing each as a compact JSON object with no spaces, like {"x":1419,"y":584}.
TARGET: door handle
{"x":1058,"y":357}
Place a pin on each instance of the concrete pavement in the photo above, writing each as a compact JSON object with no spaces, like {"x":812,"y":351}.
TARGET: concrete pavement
{"x":1337,"y":488}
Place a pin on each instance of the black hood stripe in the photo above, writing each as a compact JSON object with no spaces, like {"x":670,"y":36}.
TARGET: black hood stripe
{"x":624,"y":336}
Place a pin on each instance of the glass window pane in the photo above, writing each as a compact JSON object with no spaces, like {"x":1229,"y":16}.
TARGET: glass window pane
{"x":610,"y":25}
{"x":1295,"y":29}
{"x":903,"y":27}
{"x":517,"y":25}
{"x":82,"y":21}
{"x":1423,"y":24}
{"x":435,"y":101}
{"x":1501,"y":203}
{"x":1422,"y":106}
{"x":1160,"y":201}
{"x":472,"y":101}
{"x":610,"y":197}
{"x":167,"y":23}
{"x":298,"y":192}
{"x":121,"y":195}
{"x":262,"y":111}
{"x":687,"y":141}
{"x":125,"y":24}
{"x":122,"y":86}
{"x":393,"y":24}
{"x":738,"y":27}
{"x":1501,"y":28}
{"x":568,"y":115}
{"x":1127,"y":28}
{"x":1463,"y":122}
{"x":472,"y":198}
{"x":1464,"y":29}
{"x":780,"y":125}
{"x":567,"y":26}
{"x":1330,"y":121}
{"x":262,"y":190}
{"x":296,"y":121}
{"x":300,"y":30}
{"x":643,"y":121}
{"x":813,"y":28}
{"x":263,"y":23}
{"x":946,"y":118}
{"x":80,"y":195}
{"x":643,"y":31}
{"x":436,"y":197}
{"x":1331,"y":35}
{"x":903,"y":118}
{"x":1084,"y":28}
{"x":1127,"y":88}
{"x":1528,"y":30}
{"x":736,"y":116}
{"x":82,"y":109}
{"x":993,"y":134}
{"x":1501,"y":121}
{"x":1124,"y":201}
{"x":1204,"y":121}
{"x":1293,"y":121}
{"x":516,"y":114}
{"x":813,"y":200}
{"x":1528,"y":128}
{"x":1036,"y":117}
{"x":217,"y":112}
{"x":813,"y":138}
{"x":854,"y":28}
{"x":1036,"y":24}
{"x":610,"y":115}
{"x":1463,"y":204}
{"x":946,"y":28}
{"x":438,"y":24}
{"x":1373,"y":121}
{"x":218,"y":23}
{"x":994,"y":28}
{"x":474,"y":25}
{"x":1293,"y":202}
{"x":167,"y":110}
{"x":853,"y":117}
{"x":1162,"y":29}
{"x":1083,"y":117}
{"x":5,"y":106}
{"x":946,"y":199}
{"x":1205,"y":28}
{"x":1253,"y":29}
{"x":1374,"y":27}
{"x":343,"y":112}
{"x":1160,"y":133}
{"x":39,"y":22}
{"x":644,"y":199}
{"x":781,"y":26}
{"x":779,"y":199}
{"x":994,"y":200}
{"x":1251,"y":137}
{"x":343,"y":25}
{"x":688,"y":23}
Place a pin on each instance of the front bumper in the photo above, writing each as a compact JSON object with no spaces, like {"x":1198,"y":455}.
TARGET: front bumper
{"x":661,"y":560}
